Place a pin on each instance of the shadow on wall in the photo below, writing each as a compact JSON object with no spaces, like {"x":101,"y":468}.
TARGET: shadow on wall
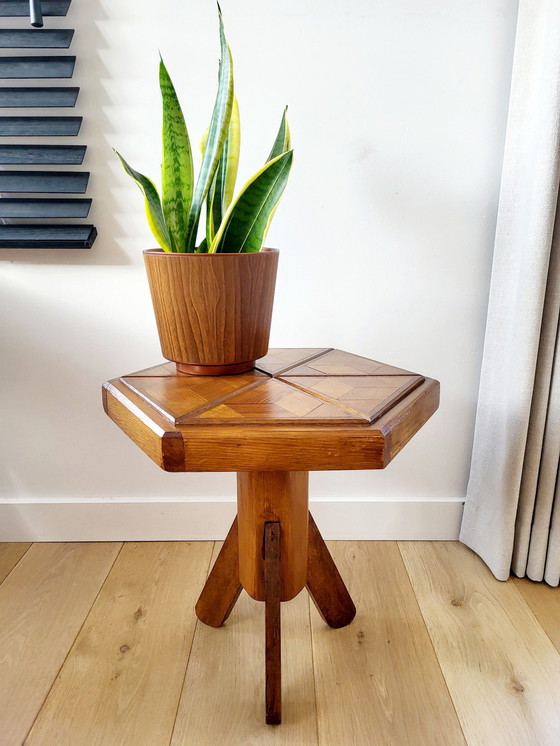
{"x":89,"y":46}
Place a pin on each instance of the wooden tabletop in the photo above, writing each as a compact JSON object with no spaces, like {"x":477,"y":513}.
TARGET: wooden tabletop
{"x":299,"y":409}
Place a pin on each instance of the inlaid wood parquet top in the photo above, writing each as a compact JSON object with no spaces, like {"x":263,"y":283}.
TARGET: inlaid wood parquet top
{"x":288,"y":386}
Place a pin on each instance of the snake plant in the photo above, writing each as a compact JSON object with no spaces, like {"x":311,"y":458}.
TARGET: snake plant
{"x":233,"y":225}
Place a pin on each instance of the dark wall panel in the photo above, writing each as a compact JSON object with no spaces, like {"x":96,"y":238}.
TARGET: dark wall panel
{"x":15,"y":38}
{"x":15,"y":8}
{"x":42,"y":154}
{"x":39,"y":126}
{"x":48,"y":236}
{"x":44,"y":208}
{"x":33,"y":97}
{"x":44,"y":182}
{"x":37,"y":67}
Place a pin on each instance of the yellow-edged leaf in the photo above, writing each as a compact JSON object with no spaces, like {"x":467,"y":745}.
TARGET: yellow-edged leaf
{"x":246,"y":221}
{"x":152,"y":204}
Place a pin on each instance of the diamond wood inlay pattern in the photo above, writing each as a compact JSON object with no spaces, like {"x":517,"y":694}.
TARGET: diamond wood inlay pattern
{"x":369,"y":396}
{"x":339,"y":363}
{"x":179,"y":396}
{"x":280,"y":360}
{"x":156,"y":371}
{"x":278,"y":402}
{"x":282,"y":420}
{"x":289,"y":386}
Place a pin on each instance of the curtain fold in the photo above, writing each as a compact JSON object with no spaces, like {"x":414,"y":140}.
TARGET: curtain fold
{"x":512,"y":511}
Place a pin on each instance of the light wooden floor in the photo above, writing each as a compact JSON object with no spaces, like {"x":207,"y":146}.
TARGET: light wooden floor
{"x":99,"y":646}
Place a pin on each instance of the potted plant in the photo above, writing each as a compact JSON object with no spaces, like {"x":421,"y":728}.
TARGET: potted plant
{"x":212,"y":298}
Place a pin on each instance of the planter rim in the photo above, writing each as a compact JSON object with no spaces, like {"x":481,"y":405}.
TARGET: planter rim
{"x":161,"y":252}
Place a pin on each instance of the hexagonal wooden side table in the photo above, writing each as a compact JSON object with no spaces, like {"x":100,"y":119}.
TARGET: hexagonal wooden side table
{"x":299,"y":410}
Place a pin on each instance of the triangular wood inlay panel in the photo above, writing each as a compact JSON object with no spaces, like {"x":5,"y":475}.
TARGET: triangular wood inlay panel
{"x":339,"y":363}
{"x":179,"y":396}
{"x":369,"y":396}
{"x":155,"y":371}
{"x":280,"y":359}
{"x":276,"y":402}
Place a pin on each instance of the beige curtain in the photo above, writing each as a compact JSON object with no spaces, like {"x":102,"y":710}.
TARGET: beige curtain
{"x":512,"y":511}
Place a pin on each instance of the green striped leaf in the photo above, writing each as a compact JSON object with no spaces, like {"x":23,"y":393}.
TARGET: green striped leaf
{"x":152,"y":203}
{"x":217,"y":134}
{"x":246,"y":222}
{"x":221,"y":192}
{"x":177,"y":167}
{"x":283,"y":140}
{"x":282,"y":143}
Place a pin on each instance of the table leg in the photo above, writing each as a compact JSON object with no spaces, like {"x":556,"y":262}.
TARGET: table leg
{"x":324,"y":583}
{"x":273,"y":550}
{"x":273,"y":676}
{"x":222,"y":587}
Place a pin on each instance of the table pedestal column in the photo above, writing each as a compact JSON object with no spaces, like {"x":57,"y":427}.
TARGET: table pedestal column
{"x":273,"y":497}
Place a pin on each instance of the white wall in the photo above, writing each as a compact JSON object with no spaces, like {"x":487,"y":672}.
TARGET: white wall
{"x":398,"y":112}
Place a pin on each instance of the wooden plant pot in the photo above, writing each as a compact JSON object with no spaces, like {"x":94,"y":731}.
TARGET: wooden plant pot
{"x":213,"y":311}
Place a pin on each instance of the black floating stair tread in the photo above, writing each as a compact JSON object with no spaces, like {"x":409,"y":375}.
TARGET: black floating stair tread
{"x":39,"y":126}
{"x":34,"y":207}
{"x":37,"y":67}
{"x":48,"y":236}
{"x":16,"y":8}
{"x":30,"y":97}
{"x":44,"y":182}
{"x":17,"y":38}
{"x":49,"y":155}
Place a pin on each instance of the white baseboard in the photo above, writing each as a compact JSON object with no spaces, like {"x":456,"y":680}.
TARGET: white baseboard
{"x":194,"y":520}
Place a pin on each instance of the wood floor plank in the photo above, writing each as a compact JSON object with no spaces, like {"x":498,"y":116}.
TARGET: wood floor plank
{"x":43,"y":603}
{"x":544,"y":602}
{"x":502,"y":670}
{"x":378,"y":680}
{"x":223,"y":696}
{"x":10,"y":555}
{"x":122,"y":679}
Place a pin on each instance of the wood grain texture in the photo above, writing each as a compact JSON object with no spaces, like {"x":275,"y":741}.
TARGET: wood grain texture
{"x":273,"y":496}
{"x":280,"y":359}
{"x":43,"y":603}
{"x":258,"y":447}
{"x":276,"y":402}
{"x":10,"y":555}
{"x":272,"y":622}
{"x":544,"y":602}
{"x":378,"y":680}
{"x":341,"y":363}
{"x":144,"y":425}
{"x":222,"y":588}
{"x":223,"y":693}
{"x":325,"y":584}
{"x":502,"y":670}
{"x":235,"y":327}
{"x":400,"y":423}
{"x":267,"y":424}
{"x":179,"y":397}
{"x":123,"y":676}
{"x":366,"y":396}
